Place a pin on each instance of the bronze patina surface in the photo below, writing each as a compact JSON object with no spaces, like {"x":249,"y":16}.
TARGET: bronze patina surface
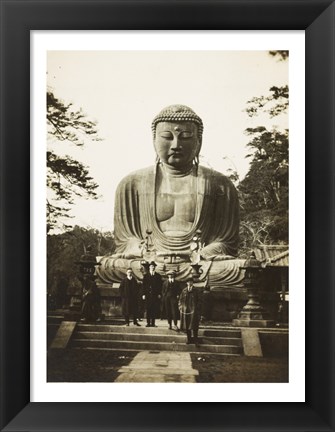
{"x":172,"y":201}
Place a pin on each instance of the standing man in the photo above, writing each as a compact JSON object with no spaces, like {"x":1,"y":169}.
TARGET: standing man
{"x":129,"y":295}
{"x":152,"y":290}
{"x":170,"y":296}
{"x":190,"y":312}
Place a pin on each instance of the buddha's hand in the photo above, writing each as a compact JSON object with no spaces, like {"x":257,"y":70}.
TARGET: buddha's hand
{"x":215,"y":252}
{"x":171,"y":257}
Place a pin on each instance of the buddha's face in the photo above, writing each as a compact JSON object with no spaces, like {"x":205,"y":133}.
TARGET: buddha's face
{"x":177,"y":143}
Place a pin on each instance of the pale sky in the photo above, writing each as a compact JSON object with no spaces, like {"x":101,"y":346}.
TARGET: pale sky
{"x":124,"y":90}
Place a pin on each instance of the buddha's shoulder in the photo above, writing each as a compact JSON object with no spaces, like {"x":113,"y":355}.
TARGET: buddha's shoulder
{"x":137,"y":176}
{"x":214,"y":176}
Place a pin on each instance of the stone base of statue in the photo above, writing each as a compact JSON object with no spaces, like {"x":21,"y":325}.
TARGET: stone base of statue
{"x":226,"y":292}
{"x":220,"y":303}
{"x":223,"y":303}
{"x":110,"y":299}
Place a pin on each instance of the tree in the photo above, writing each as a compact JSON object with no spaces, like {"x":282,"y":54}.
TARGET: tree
{"x":274,"y":104}
{"x":281,"y":55}
{"x":66,"y":177}
{"x":264,"y":190}
{"x":64,"y":249}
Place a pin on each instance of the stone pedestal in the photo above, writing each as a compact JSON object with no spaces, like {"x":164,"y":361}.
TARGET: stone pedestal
{"x":252,"y":323}
{"x":253,"y":313}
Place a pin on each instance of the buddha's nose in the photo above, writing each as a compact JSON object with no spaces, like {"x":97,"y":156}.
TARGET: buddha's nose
{"x":175,"y":144}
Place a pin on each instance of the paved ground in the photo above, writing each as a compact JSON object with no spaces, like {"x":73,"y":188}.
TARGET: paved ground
{"x":225,"y":369}
{"x":101,"y":366}
{"x":160,"y":366}
{"x":84,"y":365}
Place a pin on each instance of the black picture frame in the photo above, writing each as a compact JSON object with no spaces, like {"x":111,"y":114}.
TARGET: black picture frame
{"x":18,"y":18}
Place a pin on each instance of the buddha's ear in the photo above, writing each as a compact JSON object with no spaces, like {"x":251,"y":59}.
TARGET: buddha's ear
{"x":199,"y":140}
{"x":199,"y":145}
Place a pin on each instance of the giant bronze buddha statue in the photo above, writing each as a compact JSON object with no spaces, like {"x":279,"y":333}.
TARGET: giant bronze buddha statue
{"x":160,"y":210}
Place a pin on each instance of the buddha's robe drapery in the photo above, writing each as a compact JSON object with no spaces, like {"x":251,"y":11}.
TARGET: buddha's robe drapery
{"x":216,"y":215}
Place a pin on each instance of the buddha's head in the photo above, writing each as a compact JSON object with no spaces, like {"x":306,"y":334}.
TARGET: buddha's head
{"x":177,"y":132}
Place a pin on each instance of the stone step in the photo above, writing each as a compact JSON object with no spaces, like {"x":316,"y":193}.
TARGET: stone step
{"x":125,"y":350}
{"x":154,"y":346}
{"x":172,"y":337}
{"x":231,"y":333}
{"x":237,"y":341}
{"x":55,"y":319}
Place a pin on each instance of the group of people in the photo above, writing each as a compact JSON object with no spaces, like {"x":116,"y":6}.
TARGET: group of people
{"x":162,"y":296}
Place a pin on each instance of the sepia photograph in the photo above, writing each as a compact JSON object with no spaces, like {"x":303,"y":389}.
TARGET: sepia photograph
{"x":167,"y":198}
{"x":167,"y":216}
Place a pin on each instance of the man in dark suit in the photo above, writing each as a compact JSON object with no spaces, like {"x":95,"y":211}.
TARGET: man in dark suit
{"x":152,"y":290}
{"x":129,"y":289}
{"x":170,"y":296}
{"x":190,"y":311}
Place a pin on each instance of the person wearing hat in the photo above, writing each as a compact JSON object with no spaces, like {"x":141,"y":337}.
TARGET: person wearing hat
{"x":152,"y":292}
{"x":190,"y":312}
{"x":170,"y":296}
{"x":129,"y":289}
